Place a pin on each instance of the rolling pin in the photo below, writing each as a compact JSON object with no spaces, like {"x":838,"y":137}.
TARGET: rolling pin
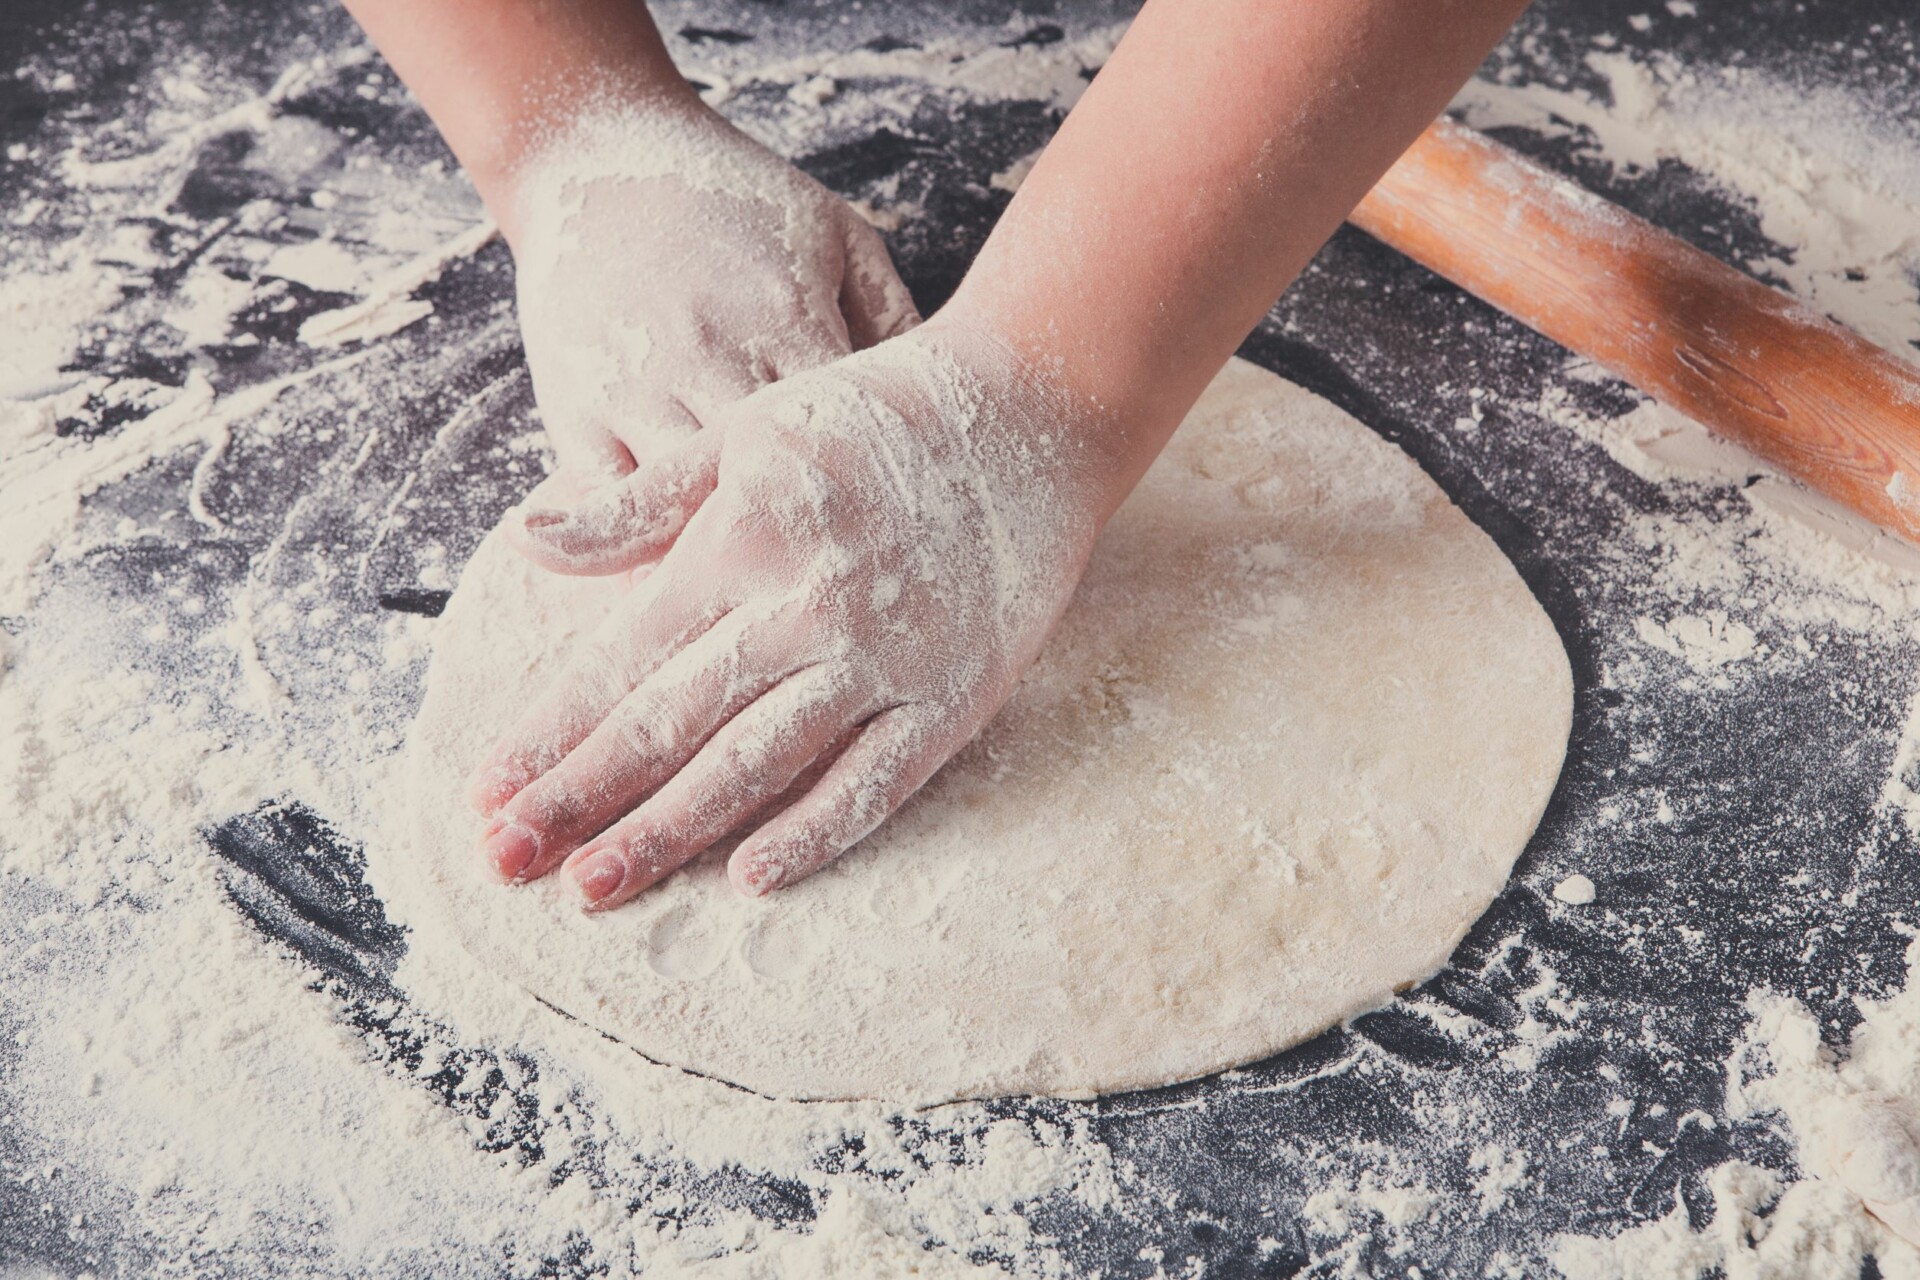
{"x":1808,"y":395}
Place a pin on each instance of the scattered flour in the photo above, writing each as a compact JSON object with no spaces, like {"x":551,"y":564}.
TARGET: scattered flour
{"x":1758,"y":1231}
{"x":1822,"y":174}
{"x":1368,"y":1214}
{"x":1827,"y":174}
{"x":1502,"y":1171}
{"x":388,"y":305}
{"x":137,"y":987}
{"x":1901,"y":794}
{"x":1055,"y":73}
{"x":1705,"y":642}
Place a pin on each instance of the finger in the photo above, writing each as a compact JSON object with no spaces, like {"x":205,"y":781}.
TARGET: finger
{"x":642,"y":742}
{"x":593,"y":454}
{"x":730,"y":373}
{"x":875,"y":303}
{"x":654,"y":428}
{"x":568,"y":485}
{"x":893,"y":755}
{"x":807,"y":777}
{"x":603,"y":416}
{"x":748,"y":763}
{"x":626,"y":524}
{"x":818,"y":344}
{"x":656,"y":620}
{"x":588,"y":439}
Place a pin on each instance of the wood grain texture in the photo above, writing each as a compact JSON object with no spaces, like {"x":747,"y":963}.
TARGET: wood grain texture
{"x":1810,"y":396}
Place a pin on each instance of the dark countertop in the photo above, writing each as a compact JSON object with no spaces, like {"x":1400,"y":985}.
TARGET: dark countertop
{"x":1777,"y":869}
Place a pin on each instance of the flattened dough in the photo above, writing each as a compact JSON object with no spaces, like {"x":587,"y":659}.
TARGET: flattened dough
{"x":1298,"y":723}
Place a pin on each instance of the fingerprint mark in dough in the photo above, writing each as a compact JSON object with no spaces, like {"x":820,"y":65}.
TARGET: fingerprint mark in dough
{"x":683,"y":945}
{"x":906,"y":899}
{"x":776,"y":949}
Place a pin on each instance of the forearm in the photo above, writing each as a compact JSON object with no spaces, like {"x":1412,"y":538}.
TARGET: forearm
{"x":1209,"y":160}
{"x":495,"y":75}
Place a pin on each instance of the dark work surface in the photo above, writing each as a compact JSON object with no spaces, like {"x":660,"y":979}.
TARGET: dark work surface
{"x":1776,"y":872}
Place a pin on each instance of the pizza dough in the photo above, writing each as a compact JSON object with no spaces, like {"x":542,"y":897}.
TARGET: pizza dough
{"x":1298,"y":723}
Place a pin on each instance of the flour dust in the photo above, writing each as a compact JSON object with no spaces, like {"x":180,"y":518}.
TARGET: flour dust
{"x":261,"y":394}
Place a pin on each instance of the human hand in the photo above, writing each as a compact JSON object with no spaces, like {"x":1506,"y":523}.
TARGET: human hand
{"x":891,"y":539}
{"x":669,"y":265}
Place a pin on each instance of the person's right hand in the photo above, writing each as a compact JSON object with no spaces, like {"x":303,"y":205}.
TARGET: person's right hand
{"x":669,"y":265}
{"x":873,"y":559}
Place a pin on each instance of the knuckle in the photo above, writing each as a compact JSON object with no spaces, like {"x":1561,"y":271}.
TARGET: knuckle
{"x":746,"y":759}
{"x":532,"y":758}
{"x":636,"y":726}
{"x":865,"y":800}
{"x":657,"y":722}
{"x":601,"y":668}
{"x":627,"y":842}
{"x":680,"y":720}
{"x":536,"y":808}
{"x":647,"y":848}
{"x":598,"y":686}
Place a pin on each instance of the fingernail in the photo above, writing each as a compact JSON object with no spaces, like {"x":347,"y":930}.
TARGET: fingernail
{"x":544,"y":518}
{"x":483,"y":790}
{"x":758,"y":881}
{"x":510,"y":847}
{"x":599,"y":875}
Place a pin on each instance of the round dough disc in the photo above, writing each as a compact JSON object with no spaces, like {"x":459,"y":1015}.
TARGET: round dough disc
{"x":1295,"y":728}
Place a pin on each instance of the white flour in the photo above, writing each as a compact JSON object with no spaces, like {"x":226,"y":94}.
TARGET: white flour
{"x":1828,"y":174}
{"x":1833,"y":184}
{"x":167,"y":1080}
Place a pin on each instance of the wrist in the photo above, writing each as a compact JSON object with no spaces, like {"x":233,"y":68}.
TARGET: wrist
{"x":1108,"y":407}
{"x":1035,"y":380}
{"x":579,"y":131}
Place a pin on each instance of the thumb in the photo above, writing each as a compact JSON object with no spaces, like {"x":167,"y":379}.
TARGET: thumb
{"x":627,"y":523}
{"x":875,"y":303}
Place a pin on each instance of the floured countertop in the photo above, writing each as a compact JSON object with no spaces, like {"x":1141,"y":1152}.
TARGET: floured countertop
{"x":261,"y":392}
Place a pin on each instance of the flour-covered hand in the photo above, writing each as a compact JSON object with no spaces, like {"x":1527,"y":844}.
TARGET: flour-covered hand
{"x":891,"y":539}
{"x":669,"y":265}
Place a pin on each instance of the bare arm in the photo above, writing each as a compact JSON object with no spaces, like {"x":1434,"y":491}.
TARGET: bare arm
{"x":1208,"y":161}
{"x":497,"y":75}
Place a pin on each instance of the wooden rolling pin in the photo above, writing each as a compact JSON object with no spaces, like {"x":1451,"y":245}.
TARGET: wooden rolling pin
{"x":1811,"y":397}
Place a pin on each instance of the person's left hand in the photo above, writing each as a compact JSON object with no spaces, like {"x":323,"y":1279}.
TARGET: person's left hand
{"x":890,"y":540}
{"x":666,"y":265}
